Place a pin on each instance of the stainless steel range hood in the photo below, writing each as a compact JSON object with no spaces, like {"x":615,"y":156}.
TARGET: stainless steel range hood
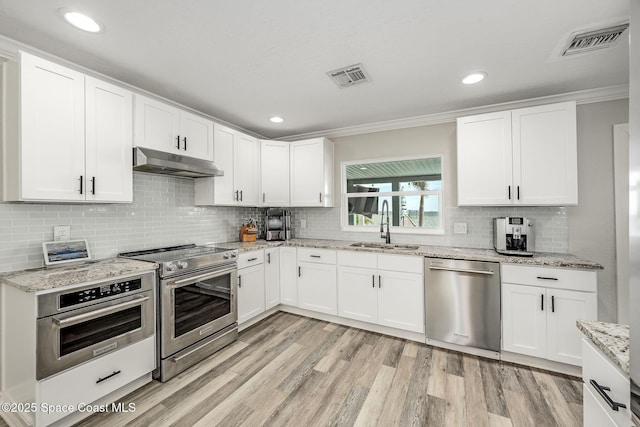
{"x":154,"y":161}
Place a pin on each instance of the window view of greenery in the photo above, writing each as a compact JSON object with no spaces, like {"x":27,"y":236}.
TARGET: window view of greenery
{"x":412,"y":188}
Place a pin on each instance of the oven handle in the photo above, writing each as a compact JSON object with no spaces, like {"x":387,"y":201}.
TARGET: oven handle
{"x":193,"y":279}
{"x":73,"y":320}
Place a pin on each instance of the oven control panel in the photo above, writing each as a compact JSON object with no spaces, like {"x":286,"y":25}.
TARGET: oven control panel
{"x":99,"y":292}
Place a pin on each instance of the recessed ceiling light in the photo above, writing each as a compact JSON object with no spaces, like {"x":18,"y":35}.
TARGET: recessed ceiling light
{"x":474,"y":77}
{"x":276,"y":119}
{"x":80,"y":20}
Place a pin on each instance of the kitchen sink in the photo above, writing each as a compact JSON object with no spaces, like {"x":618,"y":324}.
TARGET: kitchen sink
{"x":374,"y":245}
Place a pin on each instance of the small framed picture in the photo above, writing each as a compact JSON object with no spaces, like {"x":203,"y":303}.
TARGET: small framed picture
{"x":61,"y":252}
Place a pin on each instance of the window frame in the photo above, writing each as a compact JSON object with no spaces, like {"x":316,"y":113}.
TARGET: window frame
{"x":344,"y":197}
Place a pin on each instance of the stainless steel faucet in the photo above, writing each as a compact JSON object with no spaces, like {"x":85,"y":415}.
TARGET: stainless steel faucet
{"x":386,"y":236}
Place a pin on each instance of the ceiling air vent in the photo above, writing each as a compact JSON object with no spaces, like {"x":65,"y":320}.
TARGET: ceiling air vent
{"x":349,"y":76}
{"x":593,"y":40}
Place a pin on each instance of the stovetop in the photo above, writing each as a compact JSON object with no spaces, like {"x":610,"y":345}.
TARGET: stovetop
{"x":184,"y":258}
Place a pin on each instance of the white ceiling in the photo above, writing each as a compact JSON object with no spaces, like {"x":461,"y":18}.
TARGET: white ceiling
{"x":244,"y":61}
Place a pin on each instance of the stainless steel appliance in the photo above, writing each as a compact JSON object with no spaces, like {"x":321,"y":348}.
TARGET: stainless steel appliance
{"x":154,"y":161}
{"x":197,"y":306}
{"x":77,"y":325}
{"x":462,"y":302}
{"x":278,"y":224}
{"x":513,"y":236}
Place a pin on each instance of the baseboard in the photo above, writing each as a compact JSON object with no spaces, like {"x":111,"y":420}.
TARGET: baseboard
{"x":547,"y":365}
{"x":258,"y":318}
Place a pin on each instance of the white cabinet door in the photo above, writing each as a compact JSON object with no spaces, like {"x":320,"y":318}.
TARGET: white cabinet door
{"x":156,"y":125}
{"x":196,"y":136}
{"x":357,"y":294}
{"x":271,"y":277}
{"x":223,"y":155}
{"x":317,"y":287}
{"x":250,"y":292}
{"x":485,"y":160}
{"x":52,"y":131}
{"x":247,"y":163}
{"x":288,"y":276}
{"x":563,"y":309}
{"x":545,"y":154}
{"x":401,"y":300}
{"x":274,"y":173}
{"x":524,"y":319}
{"x":109,"y":127}
{"x":307,"y":173}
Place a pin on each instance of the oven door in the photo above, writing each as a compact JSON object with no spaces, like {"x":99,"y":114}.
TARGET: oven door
{"x":74,"y":337}
{"x":196,"y":306}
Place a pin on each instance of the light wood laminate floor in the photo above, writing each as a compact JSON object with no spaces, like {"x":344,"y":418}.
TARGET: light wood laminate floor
{"x":290,"y":370}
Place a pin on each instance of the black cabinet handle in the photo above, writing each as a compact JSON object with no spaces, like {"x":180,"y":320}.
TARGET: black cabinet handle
{"x":240,"y":195}
{"x":518,"y":192}
{"x":299,"y":271}
{"x":553,"y":305}
{"x":373,"y":280}
{"x":239,"y":281}
{"x":269,"y":258}
{"x":252,"y":259}
{"x":237,"y":199}
{"x":93,"y":185}
{"x":81,"y":185}
{"x":107,"y":377}
{"x":546,"y":278}
{"x":314,"y":256}
{"x":185,"y":143}
{"x":320,"y":197}
{"x":601,"y":391}
{"x":509,"y":192}
{"x":263,"y":197}
{"x":541,"y":302}
{"x":379,"y":281}
{"x":178,"y":141}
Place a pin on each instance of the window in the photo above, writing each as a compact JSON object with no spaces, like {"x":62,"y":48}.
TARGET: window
{"x":412,"y":189}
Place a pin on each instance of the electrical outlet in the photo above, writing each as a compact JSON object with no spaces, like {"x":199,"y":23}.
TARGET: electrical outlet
{"x":460,"y":227}
{"x":303,"y":223}
{"x":61,"y":232}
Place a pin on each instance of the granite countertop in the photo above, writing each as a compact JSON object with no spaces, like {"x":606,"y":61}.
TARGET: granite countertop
{"x":611,"y":338}
{"x":39,"y":279}
{"x":471,"y":254}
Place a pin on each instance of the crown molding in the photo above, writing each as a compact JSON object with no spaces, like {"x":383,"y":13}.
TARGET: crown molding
{"x":588,"y":96}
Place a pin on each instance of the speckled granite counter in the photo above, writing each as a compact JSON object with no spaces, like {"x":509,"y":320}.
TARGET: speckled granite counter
{"x":611,"y":338}
{"x":541,"y":258}
{"x":54,"y":277}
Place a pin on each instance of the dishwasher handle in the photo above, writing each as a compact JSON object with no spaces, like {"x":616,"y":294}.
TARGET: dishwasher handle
{"x":462,"y":270}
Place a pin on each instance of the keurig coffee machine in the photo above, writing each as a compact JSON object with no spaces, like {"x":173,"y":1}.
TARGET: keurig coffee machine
{"x":513,"y":236}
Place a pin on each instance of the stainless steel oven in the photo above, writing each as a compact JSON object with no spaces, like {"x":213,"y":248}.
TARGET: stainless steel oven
{"x":80,"y":324}
{"x":197,"y":306}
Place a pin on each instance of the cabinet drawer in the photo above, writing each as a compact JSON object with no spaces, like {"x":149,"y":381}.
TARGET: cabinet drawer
{"x":404,"y":263}
{"x":320,"y":256}
{"x":358,"y":259}
{"x":247,"y":259}
{"x":597,"y":367}
{"x":550,"y":277}
{"x":131,"y":362}
{"x":594,"y":414}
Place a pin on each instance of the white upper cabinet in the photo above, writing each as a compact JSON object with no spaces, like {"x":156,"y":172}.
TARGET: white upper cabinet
{"x":237,"y":155}
{"x":72,"y":139}
{"x":519,"y":157}
{"x":274,"y":173}
{"x":312,"y":173}
{"x":166,"y":128}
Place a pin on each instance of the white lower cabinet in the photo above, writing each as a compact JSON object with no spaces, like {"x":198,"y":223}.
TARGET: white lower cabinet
{"x":94,"y":380}
{"x":251,"y":289}
{"x":599,"y":372}
{"x":317,"y":287}
{"x":271,"y":277}
{"x":388,"y":298}
{"x":540,"y":321}
{"x":288,"y":276}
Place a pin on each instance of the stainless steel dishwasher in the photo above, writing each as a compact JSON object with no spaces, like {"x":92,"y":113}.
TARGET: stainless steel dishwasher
{"x":462,"y":302}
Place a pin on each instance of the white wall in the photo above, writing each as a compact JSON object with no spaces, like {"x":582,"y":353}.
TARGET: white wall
{"x":592,"y":222}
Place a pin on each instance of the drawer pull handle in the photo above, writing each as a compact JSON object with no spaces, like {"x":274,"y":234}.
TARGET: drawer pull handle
{"x":546,"y":278}
{"x":314,"y":256}
{"x":252,"y":259}
{"x":601,"y":390}
{"x":107,"y":377}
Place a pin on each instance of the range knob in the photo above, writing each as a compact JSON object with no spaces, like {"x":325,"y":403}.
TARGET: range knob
{"x":182,"y":265}
{"x":234,"y":254}
{"x":171,"y":267}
